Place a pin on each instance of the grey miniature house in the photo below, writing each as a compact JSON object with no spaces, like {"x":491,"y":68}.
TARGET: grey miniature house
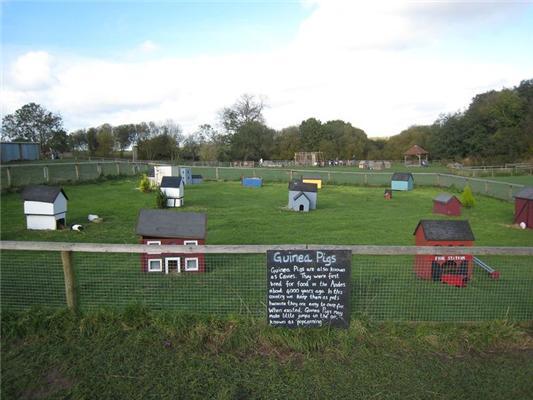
{"x":302,"y":196}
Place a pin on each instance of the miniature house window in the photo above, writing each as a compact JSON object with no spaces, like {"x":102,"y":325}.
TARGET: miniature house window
{"x":172,"y":264}
{"x":190,"y":243}
{"x":154,"y":242}
{"x":191,"y":264}
{"x":155,"y":265}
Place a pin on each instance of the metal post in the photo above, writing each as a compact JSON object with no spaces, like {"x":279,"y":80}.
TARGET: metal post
{"x":70,"y":279}
{"x":8,"y":176}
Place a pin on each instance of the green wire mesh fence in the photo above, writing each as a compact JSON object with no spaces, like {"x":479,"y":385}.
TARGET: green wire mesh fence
{"x":383,"y":287}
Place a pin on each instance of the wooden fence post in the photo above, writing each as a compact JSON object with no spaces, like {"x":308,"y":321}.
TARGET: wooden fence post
{"x":98,"y":169}
{"x":329,"y":177}
{"x":70,"y":280}
{"x":216,"y":173}
{"x":366,"y":180}
{"x":118,"y":168}
{"x":290,"y":175}
{"x":77,"y":168}
{"x":510,"y":192}
{"x":46,"y":174}
{"x":438,"y":180}
{"x":8,"y":176}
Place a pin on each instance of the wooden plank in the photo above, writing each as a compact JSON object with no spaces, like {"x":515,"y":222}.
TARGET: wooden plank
{"x":70,"y":279}
{"x":258,"y":249}
{"x":8,"y":176}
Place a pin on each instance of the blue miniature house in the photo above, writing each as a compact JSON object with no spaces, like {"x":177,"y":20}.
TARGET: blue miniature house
{"x":186,"y":175}
{"x":252,"y":182}
{"x":197,"y":179}
{"x":402,"y":181}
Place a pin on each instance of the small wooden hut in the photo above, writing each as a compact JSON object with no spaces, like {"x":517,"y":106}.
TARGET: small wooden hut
{"x":523,"y":207}
{"x":447,"y":204}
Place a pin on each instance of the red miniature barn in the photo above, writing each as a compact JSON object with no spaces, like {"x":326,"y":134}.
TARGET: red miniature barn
{"x":446,"y":204}
{"x":160,"y":227}
{"x":453,"y":270}
{"x":523,"y":207}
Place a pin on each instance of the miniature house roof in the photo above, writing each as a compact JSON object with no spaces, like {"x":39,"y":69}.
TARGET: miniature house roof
{"x":525,"y":193}
{"x":446,"y":230}
{"x":415,"y":150}
{"x":171,"y":224}
{"x":171,"y":182}
{"x":402,"y":176}
{"x":312,"y":176}
{"x":300,"y":186}
{"x":444,"y":198}
{"x":45,"y":194}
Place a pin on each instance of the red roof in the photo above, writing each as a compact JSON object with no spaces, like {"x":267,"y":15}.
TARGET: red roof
{"x":415,"y":151}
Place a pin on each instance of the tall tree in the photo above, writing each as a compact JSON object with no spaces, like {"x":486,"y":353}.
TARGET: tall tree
{"x":252,"y":141}
{"x":32,"y":123}
{"x":246,"y":109}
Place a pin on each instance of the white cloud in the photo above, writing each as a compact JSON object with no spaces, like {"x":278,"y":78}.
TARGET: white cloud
{"x":32,"y":71}
{"x":345,"y":63}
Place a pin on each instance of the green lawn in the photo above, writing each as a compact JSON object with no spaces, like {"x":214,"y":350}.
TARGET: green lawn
{"x":237,"y":215}
{"x":384,"y":288}
{"x":139,"y":355}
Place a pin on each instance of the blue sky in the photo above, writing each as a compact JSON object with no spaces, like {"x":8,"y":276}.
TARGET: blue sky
{"x":184,"y":28}
{"x":382,"y":66}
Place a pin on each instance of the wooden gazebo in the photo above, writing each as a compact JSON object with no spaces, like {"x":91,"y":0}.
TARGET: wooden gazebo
{"x":415,"y":151}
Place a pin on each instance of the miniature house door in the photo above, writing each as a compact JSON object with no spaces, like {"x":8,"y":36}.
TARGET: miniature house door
{"x":172,"y":265}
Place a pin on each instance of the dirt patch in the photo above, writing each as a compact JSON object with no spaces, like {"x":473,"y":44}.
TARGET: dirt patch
{"x":52,"y":382}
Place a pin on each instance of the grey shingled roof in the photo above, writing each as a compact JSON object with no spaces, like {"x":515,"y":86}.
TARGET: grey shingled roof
{"x":525,"y":193}
{"x":446,"y":230}
{"x":444,"y":197}
{"x":300,"y":186}
{"x":171,"y":224}
{"x":402,"y":176}
{"x":171,"y":181}
{"x":46,"y":194}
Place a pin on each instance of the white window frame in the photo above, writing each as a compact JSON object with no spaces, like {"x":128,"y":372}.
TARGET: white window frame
{"x":190,"y":242}
{"x":153,"y":242}
{"x":160,"y":265}
{"x":167,"y":259}
{"x":187,"y":269}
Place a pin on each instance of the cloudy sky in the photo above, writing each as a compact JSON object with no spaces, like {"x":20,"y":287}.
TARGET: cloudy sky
{"x":382,"y":66}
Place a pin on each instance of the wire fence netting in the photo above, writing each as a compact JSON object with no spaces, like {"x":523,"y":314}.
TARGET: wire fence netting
{"x":20,"y":176}
{"x":382,"y":287}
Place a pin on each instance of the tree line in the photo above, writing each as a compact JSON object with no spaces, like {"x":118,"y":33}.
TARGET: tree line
{"x":496,"y":127}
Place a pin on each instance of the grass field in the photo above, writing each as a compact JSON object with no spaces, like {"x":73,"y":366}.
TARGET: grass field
{"x":113,"y":350}
{"x":236,"y":215}
{"x":139,"y":355}
{"x":384,"y":287}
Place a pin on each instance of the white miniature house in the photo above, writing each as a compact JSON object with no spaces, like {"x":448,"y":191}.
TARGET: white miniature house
{"x":45,"y":207}
{"x":165,"y":170}
{"x":173,"y":188}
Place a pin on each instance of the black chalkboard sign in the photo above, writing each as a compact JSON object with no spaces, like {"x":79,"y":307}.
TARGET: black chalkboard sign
{"x":308,"y":288}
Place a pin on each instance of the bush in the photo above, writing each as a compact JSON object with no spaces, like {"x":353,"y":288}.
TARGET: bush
{"x":144,"y":185}
{"x":161,"y":199}
{"x":467,"y":198}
